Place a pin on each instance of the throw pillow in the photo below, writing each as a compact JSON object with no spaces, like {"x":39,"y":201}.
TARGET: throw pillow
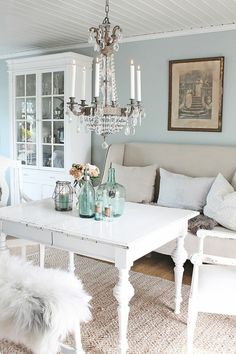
{"x":139,"y":182}
{"x":221,"y":203}
{"x":180,"y":191}
{"x":234,"y":180}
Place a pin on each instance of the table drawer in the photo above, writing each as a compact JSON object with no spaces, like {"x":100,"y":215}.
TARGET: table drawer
{"x":84,"y":247}
{"x":27,"y":232}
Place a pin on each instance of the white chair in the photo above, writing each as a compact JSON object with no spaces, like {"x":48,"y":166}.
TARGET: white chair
{"x":213,"y":288}
{"x":15,"y":192}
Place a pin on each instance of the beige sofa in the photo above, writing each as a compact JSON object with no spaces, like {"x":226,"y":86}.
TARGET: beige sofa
{"x":192,"y":160}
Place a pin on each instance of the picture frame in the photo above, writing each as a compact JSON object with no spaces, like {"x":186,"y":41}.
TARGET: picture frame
{"x":196,"y":94}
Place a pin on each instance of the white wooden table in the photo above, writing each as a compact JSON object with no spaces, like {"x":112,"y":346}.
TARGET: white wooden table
{"x":142,"y":229}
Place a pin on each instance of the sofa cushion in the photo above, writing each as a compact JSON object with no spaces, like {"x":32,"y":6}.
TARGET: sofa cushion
{"x":139,"y":182}
{"x":180,"y":191}
{"x":221,"y":203}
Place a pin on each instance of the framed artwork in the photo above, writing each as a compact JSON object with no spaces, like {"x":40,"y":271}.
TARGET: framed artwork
{"x":196,"y":94}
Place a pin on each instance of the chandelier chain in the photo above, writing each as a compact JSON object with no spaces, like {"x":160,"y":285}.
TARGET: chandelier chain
{"x":106,"y":19}
{"x":107,"y":7}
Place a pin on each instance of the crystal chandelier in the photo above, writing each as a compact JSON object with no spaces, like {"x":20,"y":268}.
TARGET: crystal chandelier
{"x":104,"y":115}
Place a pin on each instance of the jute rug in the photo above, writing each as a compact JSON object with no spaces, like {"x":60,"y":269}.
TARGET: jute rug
{"x":153,"y":327}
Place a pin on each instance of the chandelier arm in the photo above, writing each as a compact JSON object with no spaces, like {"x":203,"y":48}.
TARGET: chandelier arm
{"x":114,"y":32}
{"x":95,"y":30}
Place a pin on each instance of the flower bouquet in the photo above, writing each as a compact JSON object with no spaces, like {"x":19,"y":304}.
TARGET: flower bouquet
{"x":78,"y":171}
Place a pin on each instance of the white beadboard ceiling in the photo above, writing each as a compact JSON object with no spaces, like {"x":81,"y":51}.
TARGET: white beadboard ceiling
{"x":37,"y":26}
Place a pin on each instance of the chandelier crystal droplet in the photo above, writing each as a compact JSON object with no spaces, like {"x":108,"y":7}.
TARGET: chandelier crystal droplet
{"x":104,"y":115}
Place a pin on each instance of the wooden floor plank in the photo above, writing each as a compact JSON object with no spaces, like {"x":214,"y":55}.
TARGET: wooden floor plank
{"x":162,"y":266}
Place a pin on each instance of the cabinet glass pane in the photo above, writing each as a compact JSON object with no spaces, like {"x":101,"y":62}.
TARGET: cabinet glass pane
{"x":58,"y":132}
{"x":31,"y":85}
{"x":20,"y":132}
{"x":58,"y":83}
{"x":21,"y":153}
{"x":31,"y":108}
{"x":47,"y":155}
{"x":58,"y":156}
{"x":31,"y":154}
{"x":46,"y":108}
{"x":20,"y":108}
{"x":47,"y":132}
{"x":58,"y":107}
{"x":20,"y":85}
{"x":46,"y":83}
{"x":30,"y":134}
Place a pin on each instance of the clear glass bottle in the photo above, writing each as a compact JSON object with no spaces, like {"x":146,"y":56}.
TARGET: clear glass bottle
{"x":87,"y":198}
{"x":112,"y":194}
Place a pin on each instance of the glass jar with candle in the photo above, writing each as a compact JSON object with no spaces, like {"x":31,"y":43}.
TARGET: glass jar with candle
{"x":112,"y":194}
{"x":63,"y":196}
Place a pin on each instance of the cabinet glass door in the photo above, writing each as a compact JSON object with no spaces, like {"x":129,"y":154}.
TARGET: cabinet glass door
{"x":25,"y":116}
{"x":52,"y":137}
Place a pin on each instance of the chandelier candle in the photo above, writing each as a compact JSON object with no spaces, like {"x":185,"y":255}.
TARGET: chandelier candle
{"x":138,"y":84}
{"x":83,"y":84}
{"x":97,"y":69}
{"x":73,"y":80}
{"x":104,"y":115}
{"x":132,"y":81}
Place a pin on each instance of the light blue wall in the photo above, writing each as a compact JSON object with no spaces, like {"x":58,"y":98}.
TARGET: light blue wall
{"x":153,"y":56}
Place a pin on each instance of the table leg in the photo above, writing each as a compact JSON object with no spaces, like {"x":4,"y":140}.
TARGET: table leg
{"x":123,"y":292}
{"x":3,"y":245}
{"x":41,"y":255}
{"x":71,"y":265}
{"x":179,"y":256}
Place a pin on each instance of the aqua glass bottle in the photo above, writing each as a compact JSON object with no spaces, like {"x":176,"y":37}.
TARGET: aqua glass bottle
{"x":112,"y":194}
{"x":87,"y":198}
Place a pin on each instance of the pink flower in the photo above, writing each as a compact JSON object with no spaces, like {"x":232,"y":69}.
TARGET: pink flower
{"x":77,"y":171}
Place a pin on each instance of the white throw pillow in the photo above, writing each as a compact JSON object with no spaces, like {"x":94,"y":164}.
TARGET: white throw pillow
{"x":139,"y":182}
{"x":180,"y":191}
{"x":233,"y":182}
{"x":221,"y":203}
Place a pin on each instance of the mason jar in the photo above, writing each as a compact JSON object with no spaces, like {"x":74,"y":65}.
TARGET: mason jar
{"x":63,"y":196}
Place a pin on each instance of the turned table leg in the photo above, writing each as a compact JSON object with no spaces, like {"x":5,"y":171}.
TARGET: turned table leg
{"x":179,"y":256}
{"x":41,"y":255}
{"x":3,"y":245}
{"x":71,"y":265}
{"x":123,"y":292}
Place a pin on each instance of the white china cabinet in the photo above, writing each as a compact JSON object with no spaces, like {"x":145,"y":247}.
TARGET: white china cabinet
{"x":45,"y":136}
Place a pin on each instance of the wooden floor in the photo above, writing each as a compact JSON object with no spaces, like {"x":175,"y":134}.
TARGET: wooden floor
{"x":161,"y":266}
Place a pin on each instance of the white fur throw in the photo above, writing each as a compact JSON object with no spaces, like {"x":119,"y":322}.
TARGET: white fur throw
{"x":39,"y":307}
